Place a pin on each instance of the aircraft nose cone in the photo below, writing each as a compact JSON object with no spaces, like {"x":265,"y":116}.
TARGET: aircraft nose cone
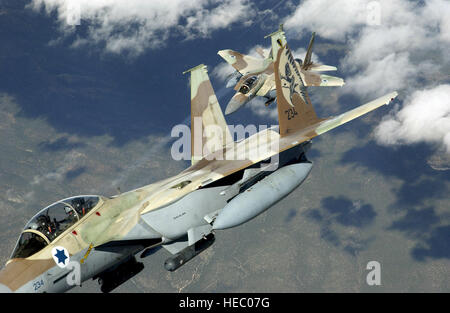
{"x":4,"y":289}
{"x":235,"y":103}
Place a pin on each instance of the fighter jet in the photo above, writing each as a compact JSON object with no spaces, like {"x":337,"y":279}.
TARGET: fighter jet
{"x":254,"y":76}
{"x":227,"y":184}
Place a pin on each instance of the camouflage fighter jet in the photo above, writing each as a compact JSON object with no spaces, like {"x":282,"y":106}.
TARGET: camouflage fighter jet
{"x":228,"y":183}
{"x":254,"y":76}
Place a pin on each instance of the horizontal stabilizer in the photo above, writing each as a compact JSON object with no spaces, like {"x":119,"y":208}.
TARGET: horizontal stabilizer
{"x":322,"y":68}
{"x":330,"y":81}
{"x":315,"y":80}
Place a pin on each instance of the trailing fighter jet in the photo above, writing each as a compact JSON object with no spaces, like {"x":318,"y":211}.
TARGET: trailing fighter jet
{"x":228,"y":183}
{"x":254,"y":76}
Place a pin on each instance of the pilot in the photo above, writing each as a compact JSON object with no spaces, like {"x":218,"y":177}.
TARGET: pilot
{"x":33,"y":226}
{"x":70,"y":215}
{"x":46,"y":226}
{"x":80,"y":206}
{"x":247,"y":85}
{"x":70,"y":219}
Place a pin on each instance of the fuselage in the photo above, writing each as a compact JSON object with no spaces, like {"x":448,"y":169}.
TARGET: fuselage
{"x":156,"y":214}
{"x":262,"y":83}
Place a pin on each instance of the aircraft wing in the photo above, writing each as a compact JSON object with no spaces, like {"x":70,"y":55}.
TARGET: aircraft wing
{"x":333,"y":122}
{"x":242,"y":63}
{"x":296,"y":113}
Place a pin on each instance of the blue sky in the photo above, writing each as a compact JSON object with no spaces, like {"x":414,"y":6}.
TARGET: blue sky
{"x":89,"y":91}
{"x":119,"y":71}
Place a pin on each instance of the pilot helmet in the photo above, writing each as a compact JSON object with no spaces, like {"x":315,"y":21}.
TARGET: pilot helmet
{"x":33,"y":226}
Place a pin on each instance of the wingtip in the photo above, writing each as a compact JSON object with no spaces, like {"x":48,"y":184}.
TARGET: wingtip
{"x":194,"y":68}
{"x":392,"y":96}
{"x":388,"y":98}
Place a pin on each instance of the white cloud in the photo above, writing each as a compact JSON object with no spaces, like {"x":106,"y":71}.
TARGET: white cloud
{"x":300,"y":53}
{"x":381,"y":76}
{"x":425,"y":117}
{"x":403,"y":47}
{"x":438,"y":12}
{"x":392,"y":54}
{"x":406,"y":51}
{"x":228,"y":12}
{"x":259,"y":108}
{"x":330,"y":19}
{"x":133,"y":26}
{"x":222,"y":71}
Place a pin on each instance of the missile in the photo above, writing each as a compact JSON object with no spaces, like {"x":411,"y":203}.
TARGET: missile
{"x":262,"y":195}
{"x":173,"y":263}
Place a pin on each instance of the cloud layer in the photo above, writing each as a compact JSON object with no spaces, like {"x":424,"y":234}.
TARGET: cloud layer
{"x":135,"y":25}
{"x":425,"y":117}
{"x":392,"y":45}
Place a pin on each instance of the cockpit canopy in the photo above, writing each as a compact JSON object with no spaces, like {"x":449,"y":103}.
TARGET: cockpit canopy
{"x":248,"y":84}
{"x":51,"y":222}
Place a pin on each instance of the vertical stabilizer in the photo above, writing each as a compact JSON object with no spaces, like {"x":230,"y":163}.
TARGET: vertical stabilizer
{"x":307,"y":62}
{"x":278,"y":40}
{"x":295,"y":110}
{"x":209,"y":131}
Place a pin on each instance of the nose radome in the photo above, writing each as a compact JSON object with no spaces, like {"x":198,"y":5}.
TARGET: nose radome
{"x":4,"y":289}
{"x":235,"y":103}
